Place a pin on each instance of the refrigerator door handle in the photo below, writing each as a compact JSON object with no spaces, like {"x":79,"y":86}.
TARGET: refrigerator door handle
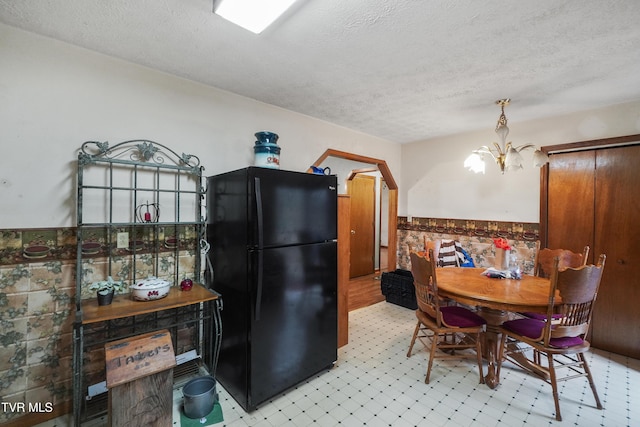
{"x":258,"y":196}
{"x":259,"y":214}
{"x":259,"y":286}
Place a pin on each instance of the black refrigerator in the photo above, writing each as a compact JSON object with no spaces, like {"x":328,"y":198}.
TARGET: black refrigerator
{"x":273,"y":239}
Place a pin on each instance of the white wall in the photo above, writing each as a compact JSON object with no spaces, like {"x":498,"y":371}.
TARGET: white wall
{"x":55,"y":96}
{"x":435,"y":183}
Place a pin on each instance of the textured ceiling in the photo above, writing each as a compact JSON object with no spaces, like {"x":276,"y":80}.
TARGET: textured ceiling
{"x":401,"y":70}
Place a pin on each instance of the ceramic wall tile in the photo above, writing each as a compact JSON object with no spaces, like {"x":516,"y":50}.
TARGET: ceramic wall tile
{"x":145,"y":266}
{"x":186,"y":263}
{"x":39,"y":302}
{"x":14,"y":380}
{"x":13,"y":306}
{"x":36,"y":316}
{"x":11,"y":398}
{"x":14,"y":279}
{"x":39,"y":394}
{"x":63,"y":390}
{"x":38,"y":375}
{"x":40,"y":326}
{"x":12,"y":356}
{"x":64,"y":344}
{"x":37,"y":350}
{"x":10,"y":239}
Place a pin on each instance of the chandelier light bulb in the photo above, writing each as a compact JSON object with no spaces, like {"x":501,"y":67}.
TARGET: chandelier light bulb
{"x":540,"y":158}
{"x":512,"y":159}
{"x":475,"y":163}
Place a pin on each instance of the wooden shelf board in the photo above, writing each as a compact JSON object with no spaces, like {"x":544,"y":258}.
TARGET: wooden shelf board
{"x":124,"y":306}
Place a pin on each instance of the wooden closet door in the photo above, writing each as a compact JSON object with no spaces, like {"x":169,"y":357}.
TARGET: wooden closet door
{"x":570,"y":214}
{"x":616,"y":318}
{"x":593,"y":198}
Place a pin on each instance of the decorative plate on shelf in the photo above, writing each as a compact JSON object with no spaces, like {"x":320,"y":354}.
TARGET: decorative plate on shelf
{"x":90,"y":248}
{"x":136,"y":245}
{"x":170,"y":242}
{"x":37,"y":251}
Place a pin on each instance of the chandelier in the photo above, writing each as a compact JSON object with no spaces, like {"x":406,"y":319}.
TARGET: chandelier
{"x":504,"y":153}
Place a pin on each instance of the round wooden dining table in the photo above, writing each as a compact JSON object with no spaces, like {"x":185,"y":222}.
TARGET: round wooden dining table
{"x":496,"y":300}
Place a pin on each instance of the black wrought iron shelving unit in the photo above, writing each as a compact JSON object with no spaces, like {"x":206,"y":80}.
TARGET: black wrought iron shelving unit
{"x":139,"y":213}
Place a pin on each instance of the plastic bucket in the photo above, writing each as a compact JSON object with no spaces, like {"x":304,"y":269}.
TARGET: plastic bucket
{"x":267,"y":156}
{"x":199,"y":396}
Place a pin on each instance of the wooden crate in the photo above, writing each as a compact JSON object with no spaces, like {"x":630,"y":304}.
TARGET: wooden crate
{"x":140,"y":380}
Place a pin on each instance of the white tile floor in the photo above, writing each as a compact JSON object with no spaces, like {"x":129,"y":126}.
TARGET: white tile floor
{"x":374,"y":384}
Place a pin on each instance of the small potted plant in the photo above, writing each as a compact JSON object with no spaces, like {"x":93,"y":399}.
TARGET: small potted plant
{"x":106,"y":289}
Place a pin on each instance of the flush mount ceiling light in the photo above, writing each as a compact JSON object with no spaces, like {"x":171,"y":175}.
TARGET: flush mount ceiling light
{"x":505,"y":154}
{"x":252,"y":15}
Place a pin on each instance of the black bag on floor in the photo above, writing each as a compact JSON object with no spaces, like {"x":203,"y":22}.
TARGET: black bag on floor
{"x":397,"y":287}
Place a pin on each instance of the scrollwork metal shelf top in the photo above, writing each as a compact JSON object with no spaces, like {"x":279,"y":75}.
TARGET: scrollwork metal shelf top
{"x":139,"y":152}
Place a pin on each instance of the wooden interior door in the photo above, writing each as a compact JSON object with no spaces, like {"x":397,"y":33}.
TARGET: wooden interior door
{"x":617,"y":234}
{"x":570,"y":216}
{"x":362,"y":191}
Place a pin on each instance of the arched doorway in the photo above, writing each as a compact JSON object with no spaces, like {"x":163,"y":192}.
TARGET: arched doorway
{"x":392,"y":202}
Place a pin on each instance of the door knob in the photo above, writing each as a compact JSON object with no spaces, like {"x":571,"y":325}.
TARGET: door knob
{"x":353,"y":231}
{"x":620,"y":261}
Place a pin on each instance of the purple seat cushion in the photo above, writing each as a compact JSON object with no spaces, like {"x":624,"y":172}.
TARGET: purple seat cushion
{"x":532,"y":328}
{"x":461,"y":317}
{"x":565,"y":342}
{"x":541,"y":316}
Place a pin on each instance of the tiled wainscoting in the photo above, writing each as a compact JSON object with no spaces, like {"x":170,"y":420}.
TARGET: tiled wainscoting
{"x":476,"y":237}
{"x":37,"y":307}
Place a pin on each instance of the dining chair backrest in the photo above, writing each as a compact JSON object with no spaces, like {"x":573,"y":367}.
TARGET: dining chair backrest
{"x":432,"y":246}
{"x":573,"y":293}
{"x":427,"y":245}
{"x":545,"y":259}
{"x":424,"y":279}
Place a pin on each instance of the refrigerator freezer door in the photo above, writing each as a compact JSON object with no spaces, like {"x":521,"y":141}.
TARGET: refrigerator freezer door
{"x":294,"y":317}
{"x":291,"y":208}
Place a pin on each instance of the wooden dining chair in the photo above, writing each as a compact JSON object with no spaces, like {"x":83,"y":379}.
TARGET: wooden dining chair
{"x":545,"y":258}
{"x":427,"y":245}
{"x":441,"y":327}
{"x":552,"y":346}
{"x":543,"y":266}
